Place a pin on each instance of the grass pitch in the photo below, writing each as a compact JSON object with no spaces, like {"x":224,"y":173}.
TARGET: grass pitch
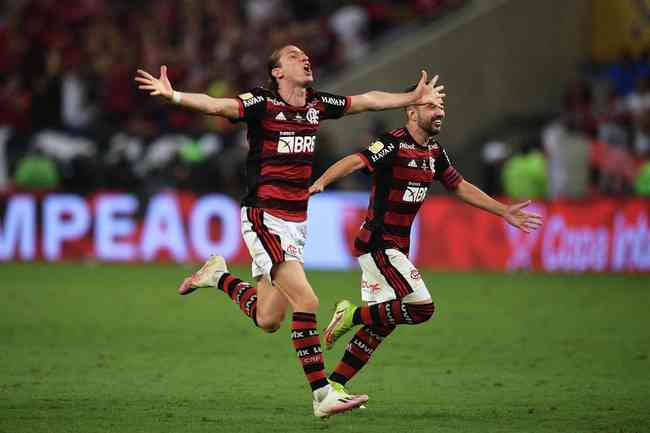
{"x":98,"y":348}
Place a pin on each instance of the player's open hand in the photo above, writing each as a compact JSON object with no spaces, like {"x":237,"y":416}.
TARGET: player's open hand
{"x":429,"y":93}
{"x":156,"y":86}
{"x":525,"y":221}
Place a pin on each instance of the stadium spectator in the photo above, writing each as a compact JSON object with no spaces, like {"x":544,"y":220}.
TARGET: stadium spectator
{"x":66,"y":65}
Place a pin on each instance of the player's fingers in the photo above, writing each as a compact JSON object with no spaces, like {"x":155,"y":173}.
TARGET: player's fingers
{"x":143,"y":87}
{"x":531,"y":224}
{"x":155,"y":93}
{"x":439,"y":88}
{"x":434,"y":80}
{"x":534,"y":218}
{"x":423,"y":77}
{"x":518,"y":206}
{"x":145,"y":74}
{"x":142,"y":80}
{"x":163,"y":71}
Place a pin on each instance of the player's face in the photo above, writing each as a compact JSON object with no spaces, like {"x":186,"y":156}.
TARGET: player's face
{"x":429,"y":118}
{"x":295,"y":66}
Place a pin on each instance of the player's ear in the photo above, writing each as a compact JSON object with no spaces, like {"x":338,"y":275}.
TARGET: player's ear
{"x":277,"y":72}
{"x":410,"y":113}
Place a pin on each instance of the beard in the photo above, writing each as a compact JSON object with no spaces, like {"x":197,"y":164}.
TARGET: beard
{"x":429,"y":127}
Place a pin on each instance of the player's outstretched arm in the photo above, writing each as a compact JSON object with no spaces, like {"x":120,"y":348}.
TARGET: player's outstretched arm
{"x":424,"y":93}
{"x":513,"y":214}
{"x":336,"y":171}
{"x":227,"y":107}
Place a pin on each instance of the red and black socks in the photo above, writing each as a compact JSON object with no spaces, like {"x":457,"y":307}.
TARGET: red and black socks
{"x":358,"y":351}
{"x":242,"y":293}
{"x":393,"y":312}
{"x":306,"y":341}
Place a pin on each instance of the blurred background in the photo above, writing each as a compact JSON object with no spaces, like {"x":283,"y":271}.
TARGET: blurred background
{"x":546,"y":100}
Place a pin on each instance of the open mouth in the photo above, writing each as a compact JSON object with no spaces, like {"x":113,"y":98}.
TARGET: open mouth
{"x":307,"y":68}
{"x":437,"y":123}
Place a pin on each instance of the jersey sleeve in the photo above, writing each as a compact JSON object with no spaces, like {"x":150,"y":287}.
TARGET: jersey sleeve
{"x":334,"y":106}
{"x":379,"y":154}
{"x":252,"y":104}
{"x":445,"y":172}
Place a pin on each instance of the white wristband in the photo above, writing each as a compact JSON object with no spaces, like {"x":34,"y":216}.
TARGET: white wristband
{"x":176,"y":97}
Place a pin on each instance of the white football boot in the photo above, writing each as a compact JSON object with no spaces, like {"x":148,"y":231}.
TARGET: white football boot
{"x":207,"y":276}
{"x":336,"y":402}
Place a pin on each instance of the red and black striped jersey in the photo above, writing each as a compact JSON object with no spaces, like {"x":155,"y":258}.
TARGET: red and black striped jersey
{"x":402,"y":171}
{"x":281,"y":148}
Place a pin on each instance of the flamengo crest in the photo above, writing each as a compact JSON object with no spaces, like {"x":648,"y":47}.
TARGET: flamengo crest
{"x":312,"y":116}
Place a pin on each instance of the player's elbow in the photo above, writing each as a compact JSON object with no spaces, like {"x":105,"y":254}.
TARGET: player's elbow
{"x":355,"y":161}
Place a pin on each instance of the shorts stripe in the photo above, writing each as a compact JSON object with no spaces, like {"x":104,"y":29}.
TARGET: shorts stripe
{"x":393,"y":276}
{"x":270,"y":242}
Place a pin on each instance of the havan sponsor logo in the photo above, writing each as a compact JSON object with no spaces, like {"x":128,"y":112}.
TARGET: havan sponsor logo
{"x":339,"y":102}
{"x":252,"y":101}
{"x":383,"y":152}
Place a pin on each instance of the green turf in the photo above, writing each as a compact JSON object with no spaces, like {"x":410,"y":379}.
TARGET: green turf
{"x":96,"y":348}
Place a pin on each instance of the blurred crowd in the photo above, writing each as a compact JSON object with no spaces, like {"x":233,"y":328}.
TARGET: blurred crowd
{"x":599,"y":143}
{"x":72,"y":118}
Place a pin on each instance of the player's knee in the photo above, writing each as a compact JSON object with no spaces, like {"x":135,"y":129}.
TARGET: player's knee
{"x":270,"y":327}
{"x":270,"y":323}
{"x":420,"y":313}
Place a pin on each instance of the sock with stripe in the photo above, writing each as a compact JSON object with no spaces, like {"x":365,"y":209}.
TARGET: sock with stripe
{"x":392,"y":313}
{"x":242,"y":294}
{"x":306,"y":341}
{"x":358,"y":352}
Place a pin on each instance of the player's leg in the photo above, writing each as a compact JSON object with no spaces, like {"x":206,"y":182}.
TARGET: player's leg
{"x":358,"y":352}
{"x":272,"y":305}
{"x":382,"y":309}
{"x":292,"y":281}
{"x":263,"y":237}
{"x":368,"y":338}
{"x":264,"y":304}
{"x":401,"y":296}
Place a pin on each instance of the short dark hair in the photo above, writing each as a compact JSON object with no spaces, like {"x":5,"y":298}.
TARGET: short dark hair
{"x":272,"y":63}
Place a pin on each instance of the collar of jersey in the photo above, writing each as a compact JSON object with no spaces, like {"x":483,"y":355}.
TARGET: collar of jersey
{"x":424,"y":146}
{"x":310,"y":96}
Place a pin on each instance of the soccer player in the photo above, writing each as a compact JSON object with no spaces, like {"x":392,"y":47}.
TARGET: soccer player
{"x":282,"y":122}
{"x":403,"y":163}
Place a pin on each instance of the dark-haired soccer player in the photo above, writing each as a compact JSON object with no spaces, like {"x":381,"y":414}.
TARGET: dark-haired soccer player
{"x":282,"y":123}
{"x":403,"y":163}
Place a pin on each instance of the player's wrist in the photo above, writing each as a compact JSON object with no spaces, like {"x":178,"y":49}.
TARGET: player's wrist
{"x":175,"y":97}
